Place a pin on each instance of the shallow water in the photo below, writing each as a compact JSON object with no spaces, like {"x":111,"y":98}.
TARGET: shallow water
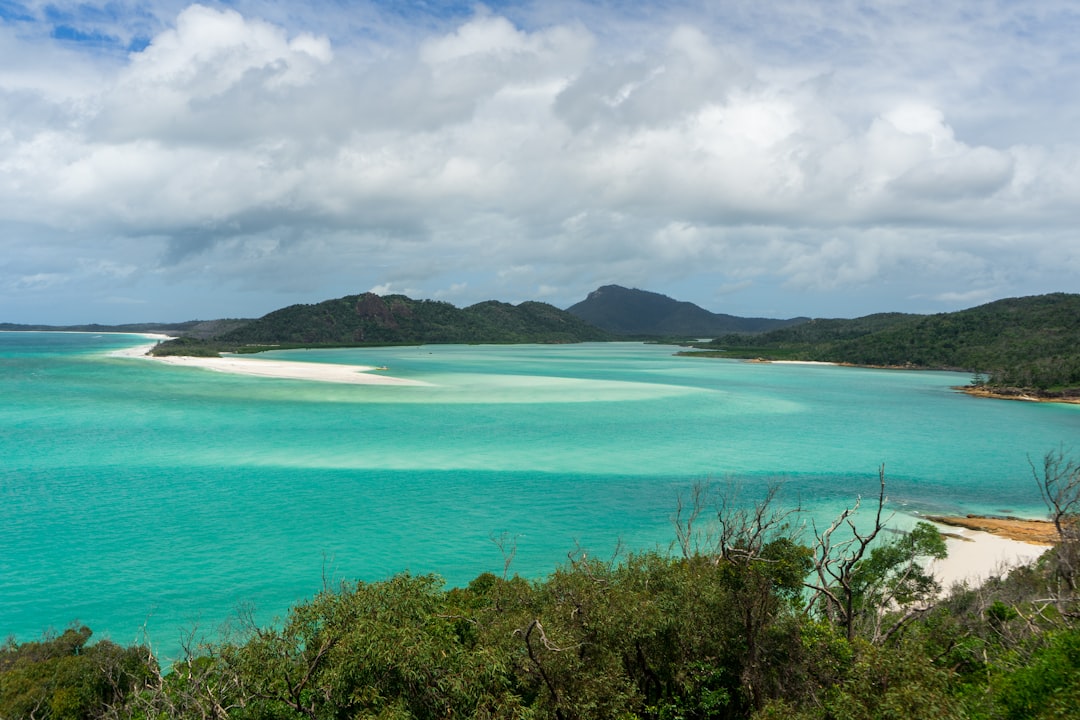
{"x":148,"y":500}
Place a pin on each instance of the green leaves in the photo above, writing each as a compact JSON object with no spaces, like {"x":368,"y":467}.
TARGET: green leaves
{"x":62,"y":678}
{"x":894,"y":573}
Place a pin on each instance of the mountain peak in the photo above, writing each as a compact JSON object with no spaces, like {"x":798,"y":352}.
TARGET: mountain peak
{"x":627,"y":311}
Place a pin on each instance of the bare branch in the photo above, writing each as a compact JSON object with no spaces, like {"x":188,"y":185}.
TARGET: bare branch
{"x":835,"y":564}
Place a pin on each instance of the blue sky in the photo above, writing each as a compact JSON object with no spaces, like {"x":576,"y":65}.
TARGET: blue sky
{"x":162,"y":160}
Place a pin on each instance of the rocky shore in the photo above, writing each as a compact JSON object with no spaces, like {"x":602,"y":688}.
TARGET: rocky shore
{"x":1013,"y":393}
{"x":1034,"y":532}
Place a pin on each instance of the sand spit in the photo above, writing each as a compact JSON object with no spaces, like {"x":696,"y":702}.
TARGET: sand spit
{"x":281,"y":369}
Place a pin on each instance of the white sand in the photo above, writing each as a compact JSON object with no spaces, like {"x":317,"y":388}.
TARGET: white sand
{"x":282,"y":369}
{"x":980,"y":555}
{"x":800,"y":362}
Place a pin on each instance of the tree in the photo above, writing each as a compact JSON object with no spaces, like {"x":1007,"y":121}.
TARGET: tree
{"x":1059,"y":485}
{"x":861,"y":580}
{"x":762,"y":567}
{"x":63,"y":677}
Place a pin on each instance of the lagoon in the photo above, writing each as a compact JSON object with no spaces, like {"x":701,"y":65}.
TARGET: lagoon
{"x":150,"y":501}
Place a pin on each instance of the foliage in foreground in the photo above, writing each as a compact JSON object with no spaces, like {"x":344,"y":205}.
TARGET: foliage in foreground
{"x":742,"y":620}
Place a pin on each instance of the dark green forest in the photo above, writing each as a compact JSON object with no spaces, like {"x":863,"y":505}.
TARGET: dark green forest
{"x":750,"y":614}
{"x":369,"y":319}
{"x":1021,"y":343}
{"x":642,"y":314}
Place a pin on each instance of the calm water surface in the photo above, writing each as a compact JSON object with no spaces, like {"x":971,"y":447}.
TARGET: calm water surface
{"x":147,"y":500}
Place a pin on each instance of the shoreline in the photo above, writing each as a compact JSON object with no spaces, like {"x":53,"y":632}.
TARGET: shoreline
{"x":277,"y":369}
{"x":766,"y":361}
{"x":1018,"y":395}
{"x":1032,"y":532}
{"x":982,"y":547}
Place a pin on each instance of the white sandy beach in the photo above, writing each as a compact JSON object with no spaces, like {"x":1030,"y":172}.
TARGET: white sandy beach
{"x":282,"y":369}
{"x":800,"y":362}
{"x":975,"y":556}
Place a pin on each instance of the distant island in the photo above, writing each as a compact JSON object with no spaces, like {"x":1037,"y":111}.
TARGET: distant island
{"x":1018,"y":348}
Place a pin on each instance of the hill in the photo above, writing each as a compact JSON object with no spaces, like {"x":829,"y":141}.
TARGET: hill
{"x":189,"y":328}
{"x":623,"y":311}
{"x":370,"y":319}
{"x":1021,"y":343}
{"x":165,"y":328}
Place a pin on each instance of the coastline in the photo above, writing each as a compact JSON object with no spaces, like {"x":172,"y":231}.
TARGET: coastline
{"x":796,"y":362}
{"x":1033,"y":532}
{"x":278,"y":369}
{"x":1014,"y":394}
{"x":984,"y":547}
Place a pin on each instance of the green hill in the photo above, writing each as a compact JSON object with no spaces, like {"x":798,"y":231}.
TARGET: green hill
{"x":370,"y":319}
{"x":1029,"y":342}
{"x":623,"y":311}
{"x":181,"y":328}
{"x":202,"y":329}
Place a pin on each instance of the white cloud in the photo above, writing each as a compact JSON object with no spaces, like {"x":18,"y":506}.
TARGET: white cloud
{"x":550,"y":148}
{"x":38,"y":281}
{"x":976,"y":296}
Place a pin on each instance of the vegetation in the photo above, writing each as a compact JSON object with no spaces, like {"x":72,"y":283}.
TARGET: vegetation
{"x":638,"y":313}
{"x":741,"y":620}
{"x":369,"y":319}
{"x":1019,"y":347}
{"x":190,"y":328}
{"x":1014,"y":346}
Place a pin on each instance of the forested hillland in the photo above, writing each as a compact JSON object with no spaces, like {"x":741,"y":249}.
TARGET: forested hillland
{"x":1016,"y":345}
{"x":370,"y":319}
{"x":639,"y":313}
{"x":189,"y":328}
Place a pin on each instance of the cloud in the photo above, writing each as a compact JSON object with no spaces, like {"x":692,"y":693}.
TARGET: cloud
{"x":539,"y":149}
{"x":967,"y":299}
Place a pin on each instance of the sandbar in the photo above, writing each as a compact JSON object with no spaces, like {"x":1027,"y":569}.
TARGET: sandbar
{"x":280,"y":369}
{"x":800,"y":362}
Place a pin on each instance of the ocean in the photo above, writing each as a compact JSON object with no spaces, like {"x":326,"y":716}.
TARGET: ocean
{"x":153,"y":502}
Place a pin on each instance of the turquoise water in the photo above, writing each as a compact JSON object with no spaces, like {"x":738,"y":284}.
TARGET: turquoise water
{"x":148,"y":501}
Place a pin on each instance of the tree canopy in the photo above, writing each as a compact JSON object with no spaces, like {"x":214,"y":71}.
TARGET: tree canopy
{"x":1029,"y":342}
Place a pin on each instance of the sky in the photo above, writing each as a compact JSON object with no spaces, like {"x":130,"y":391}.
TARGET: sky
{"x":164,"y":161}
